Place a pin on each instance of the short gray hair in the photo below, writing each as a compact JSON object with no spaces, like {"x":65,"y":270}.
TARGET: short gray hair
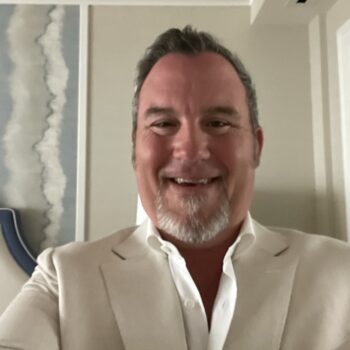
{"x":190,"y":41}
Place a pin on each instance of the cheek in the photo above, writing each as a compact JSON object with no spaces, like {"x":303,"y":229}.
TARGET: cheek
{"x":237,"y":157}
{"x":150,"y":156}
{"x":233,"y":151}
{"x":149,"y":151}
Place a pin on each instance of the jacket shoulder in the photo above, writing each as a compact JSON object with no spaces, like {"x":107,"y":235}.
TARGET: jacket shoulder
{"x":79,"y":256}
{"x":316,"y":248}
{"x":97,"y":250}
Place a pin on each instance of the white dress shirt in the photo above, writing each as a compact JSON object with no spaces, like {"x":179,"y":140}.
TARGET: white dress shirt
{"x":196,"y":326}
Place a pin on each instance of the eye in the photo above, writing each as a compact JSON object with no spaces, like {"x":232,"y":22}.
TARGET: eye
{"x":218,"y":123}
{"x":218,"y":126}
{"x":164,"y":127}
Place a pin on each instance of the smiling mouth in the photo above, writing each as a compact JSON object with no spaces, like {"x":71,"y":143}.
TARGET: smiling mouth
{"x":192,"y":182}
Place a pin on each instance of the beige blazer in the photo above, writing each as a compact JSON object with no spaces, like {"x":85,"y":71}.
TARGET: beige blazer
{"x":116,"y":293}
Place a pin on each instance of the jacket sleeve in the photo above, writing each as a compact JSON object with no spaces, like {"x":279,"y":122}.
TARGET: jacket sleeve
{"x":345,"y":344}
{"x":31,"y":321}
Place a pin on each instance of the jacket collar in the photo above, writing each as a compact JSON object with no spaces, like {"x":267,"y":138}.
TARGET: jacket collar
{"x":148,"y":310}
{"x":265,"y":278}
{"x":143,"y":296}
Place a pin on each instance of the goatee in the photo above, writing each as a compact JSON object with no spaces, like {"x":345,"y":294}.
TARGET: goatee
{"x":192,"y":226}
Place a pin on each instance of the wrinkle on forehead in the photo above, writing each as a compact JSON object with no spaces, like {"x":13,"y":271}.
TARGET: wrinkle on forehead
{"x":183,"y":66}
{"x":194,"y":82}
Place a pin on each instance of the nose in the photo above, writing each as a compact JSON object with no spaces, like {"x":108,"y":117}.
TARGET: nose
{"x":191,"y":143}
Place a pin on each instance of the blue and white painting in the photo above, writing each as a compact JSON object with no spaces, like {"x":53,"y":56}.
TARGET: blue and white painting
{"x":39,"y":48}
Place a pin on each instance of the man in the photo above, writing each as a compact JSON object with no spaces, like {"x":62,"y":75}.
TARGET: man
{"x":200,"y":273}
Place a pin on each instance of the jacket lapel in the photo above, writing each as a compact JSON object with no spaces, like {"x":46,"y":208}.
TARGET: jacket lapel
{"x":265,"y":277}
{"x":143,"y":296}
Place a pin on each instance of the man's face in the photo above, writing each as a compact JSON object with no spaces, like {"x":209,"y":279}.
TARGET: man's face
{"x":195,"y":153}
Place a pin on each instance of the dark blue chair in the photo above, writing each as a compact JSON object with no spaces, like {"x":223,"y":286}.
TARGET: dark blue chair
{"x":10,"y":227}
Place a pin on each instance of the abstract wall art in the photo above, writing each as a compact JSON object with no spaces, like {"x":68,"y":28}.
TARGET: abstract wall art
{"x":39,"y":73}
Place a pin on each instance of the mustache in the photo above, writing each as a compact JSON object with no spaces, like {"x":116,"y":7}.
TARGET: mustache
{"x":192,"y":169}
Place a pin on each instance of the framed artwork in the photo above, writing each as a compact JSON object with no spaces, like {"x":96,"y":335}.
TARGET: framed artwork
{"x":42,"y":121}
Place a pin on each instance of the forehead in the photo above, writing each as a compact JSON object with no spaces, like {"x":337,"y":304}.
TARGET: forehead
{"x":202,"y":72}
{"x":192,"y":62}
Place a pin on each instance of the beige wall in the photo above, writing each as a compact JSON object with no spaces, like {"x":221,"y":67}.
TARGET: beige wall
{"x":336,"y":17}
{"x":278,"y":59}
{"x":330,"y":186}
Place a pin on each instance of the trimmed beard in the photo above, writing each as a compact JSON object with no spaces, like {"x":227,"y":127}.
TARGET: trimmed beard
{"x":195,"y":228}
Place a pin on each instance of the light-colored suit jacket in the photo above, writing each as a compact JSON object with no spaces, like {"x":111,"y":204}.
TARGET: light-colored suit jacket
{"x":117,"y":293}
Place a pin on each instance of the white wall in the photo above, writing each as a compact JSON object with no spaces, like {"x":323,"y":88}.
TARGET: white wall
{"x":278,"y":58}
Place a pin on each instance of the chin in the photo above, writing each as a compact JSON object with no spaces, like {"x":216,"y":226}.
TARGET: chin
{"x":191,"y":225}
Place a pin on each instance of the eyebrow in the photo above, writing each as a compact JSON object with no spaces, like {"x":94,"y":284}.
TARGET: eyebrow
{"x":169,"y":111}
{"x":224,"y":110}
{"x":154,"y":111}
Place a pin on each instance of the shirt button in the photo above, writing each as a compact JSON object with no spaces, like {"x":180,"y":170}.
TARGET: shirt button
{"x":189,"y":304}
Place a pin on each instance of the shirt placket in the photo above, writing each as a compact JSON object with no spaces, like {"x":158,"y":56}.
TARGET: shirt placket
{"x":224,"y":306}
{"x":192,"y":306}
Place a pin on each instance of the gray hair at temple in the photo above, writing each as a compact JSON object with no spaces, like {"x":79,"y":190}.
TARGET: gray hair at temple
{"x":190,"y":42}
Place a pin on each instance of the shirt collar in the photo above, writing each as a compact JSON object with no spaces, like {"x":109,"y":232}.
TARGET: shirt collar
{"x":244,"y":241}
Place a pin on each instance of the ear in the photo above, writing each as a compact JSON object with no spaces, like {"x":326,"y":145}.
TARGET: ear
{"x":133,"y":155}
{"x":258,"y":145}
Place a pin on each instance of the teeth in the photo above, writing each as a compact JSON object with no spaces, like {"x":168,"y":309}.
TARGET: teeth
{"x":181,"y":180}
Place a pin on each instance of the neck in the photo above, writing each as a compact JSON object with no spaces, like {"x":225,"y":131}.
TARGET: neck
{"x":225,"y":237}
{"x":204,"y":263}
